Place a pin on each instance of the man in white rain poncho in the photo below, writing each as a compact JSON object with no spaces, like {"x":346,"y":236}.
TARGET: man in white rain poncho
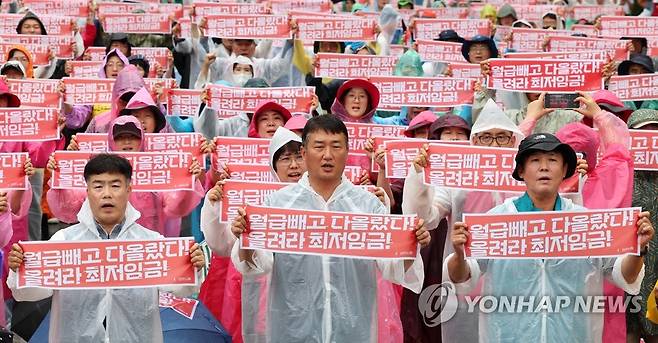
{"x":321,"y":298}
{"x":492,"y":129}
{"x":543,"y":162}
{"x":102,"y":315}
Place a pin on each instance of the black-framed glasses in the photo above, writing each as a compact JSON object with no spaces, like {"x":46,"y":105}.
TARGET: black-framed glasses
{"x":489,"y":139}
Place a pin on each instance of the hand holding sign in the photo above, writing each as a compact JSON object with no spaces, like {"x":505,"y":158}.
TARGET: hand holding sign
{"x":645,"y":230}
{"x":459,"y":238}
{"x":239,"y":225}
{"x":196,"y":256}
{"x":422,"y":235}
{"x":215,"y":193}
{"x":420,"y":162}
{"x":15,"y":257}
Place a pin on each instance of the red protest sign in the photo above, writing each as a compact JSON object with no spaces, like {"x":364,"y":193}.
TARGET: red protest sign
{"x":330,"y":233}
{"x":35,"y":92}
{"x":524,"y":39}
{"x":429,"y":29}
{"x":472,"y":167}
{"x":85,"y":69}
{"x":107,"y":264}
{"x":105,"y":8}
{"x":184,"y":306}
{"x":574,"y":55}
{"x":55,"y":25}
{"x":38,"y":54}
{"x":28,"y":124}
{"x":187,"y":142}
{"x":634,"y":87}
{"x":237,"y":99}
{"x":251,"y":172}
{"x":336,"y":29}
{"x":359,"y":133}
{"x":644,"y":149}
{"x":617,"y":48}
{"x":436,"y":51}
{"x":81,"y":91}
{"x":243,"y":150}
{"x":210,"y":8}
{"x":137,"y":23}
{"x":342,"y":66}
{"x":248,"y":26}
{"x":598,"y":233}
{"x":622,"y":26}
{"x":183,"y":102}
{"x":398,"y":91}
{"x":152,"y":171}
{"x":61,"y":45}
{"x":74,"y":8}
{"x":559,"y":76}
{"x":237,"y":194}
{"x":12,"y":171}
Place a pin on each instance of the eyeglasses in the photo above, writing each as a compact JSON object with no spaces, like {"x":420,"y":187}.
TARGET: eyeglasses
{"x":489,"y":139}
{"x":286,"y":160}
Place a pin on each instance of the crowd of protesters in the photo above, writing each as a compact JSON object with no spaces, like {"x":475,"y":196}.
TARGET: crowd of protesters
{"x":265,"y":296}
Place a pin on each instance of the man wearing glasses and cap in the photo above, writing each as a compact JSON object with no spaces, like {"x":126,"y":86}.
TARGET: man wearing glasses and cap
{"x":543,"y":162}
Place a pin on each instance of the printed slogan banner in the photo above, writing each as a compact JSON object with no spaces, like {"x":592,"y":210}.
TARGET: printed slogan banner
{"x":242,"y":150}
{"x":74,"y":8}
{"x":12,"y":171}
{"x":55,"y":25}
{"x":336,"y":29}
{"x":330,"y":233}
{"x":472,"y":167}
{"x":137,"y":23}
{"x":85,"y":69}
{"x":429,"y":29}
{"x":629,"y":26}
{"x":152,"y":171}
{"x":436,"y":51}
{"x":236,"y":99}
{"x":524,"y":39}
{"x":38,"y":53}
{"x":154,"y":55}
{"x":28,"y":124}
{"x":237,"y":194}
{"x":634,"y":87}
{"x":35,"y":92}
{"x":82,"y":91}
{"x":553,"y":76}
{"x":248,"y":26}
{"x":183,"y":102}
{"x":40,"y":45}
{"x":597,"y":233}
{"x":400,"y":154}
{"x":399,"y":91}
{"x":342,"y":66}
{"x":617,"y":48}
{"x":184,"y":306}
{"x":107,"y":264}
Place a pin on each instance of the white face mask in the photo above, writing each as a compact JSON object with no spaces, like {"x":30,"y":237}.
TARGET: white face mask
{"x":241,"y":79}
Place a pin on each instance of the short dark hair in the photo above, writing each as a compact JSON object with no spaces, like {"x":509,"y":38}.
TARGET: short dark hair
{"x":328,"y":123}
{"x":292,"y":147}
{"x":108,"y":163}
{"x":108,"y":47}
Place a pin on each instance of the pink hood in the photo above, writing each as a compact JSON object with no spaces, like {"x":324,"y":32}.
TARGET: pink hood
{"x":128,"y":80}
{"x":143,"y":99}
{"x":123,"y":120}
{"x":122,"y":57}
{"x":581,"y":138}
